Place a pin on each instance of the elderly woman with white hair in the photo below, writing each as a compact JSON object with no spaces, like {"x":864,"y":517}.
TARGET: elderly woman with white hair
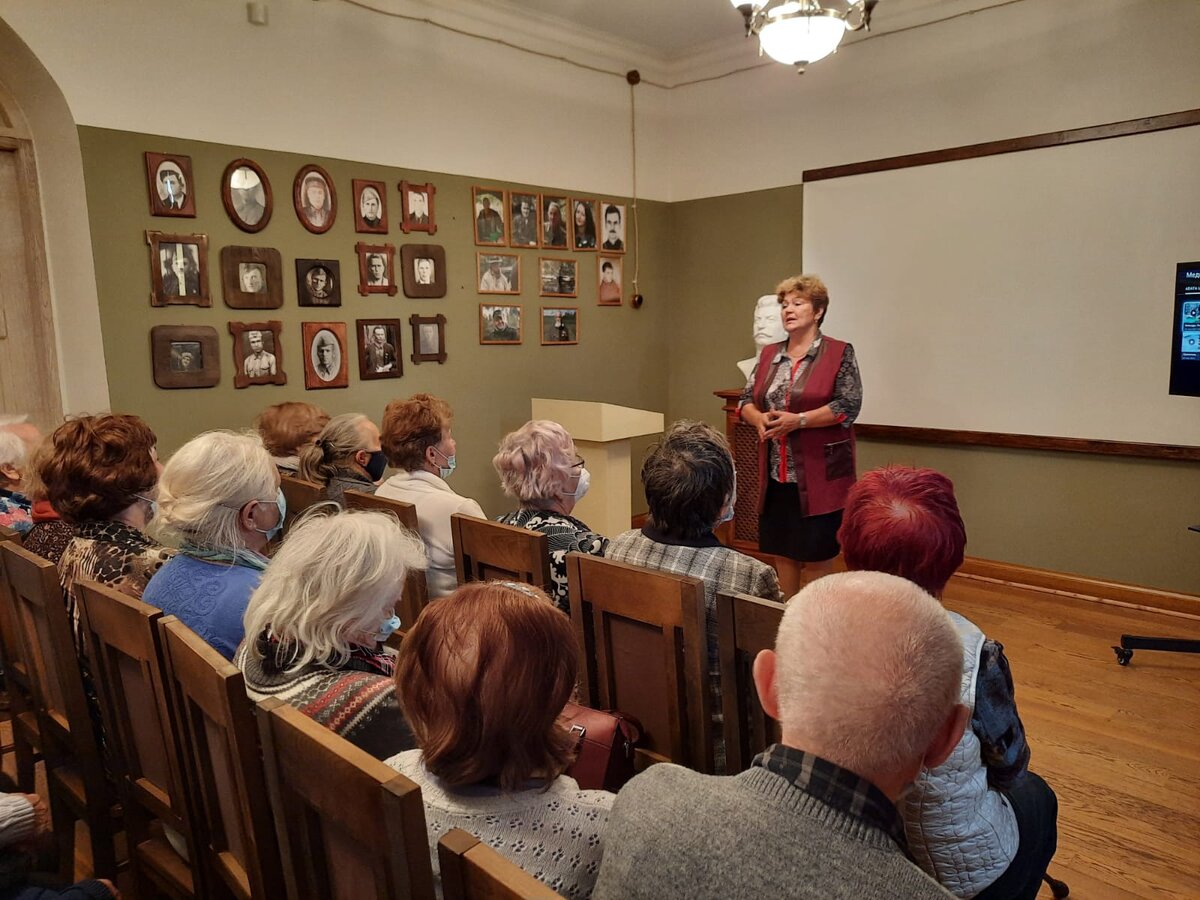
{"x":17,"y":439}
{"x":538,"y":465}
{"x":346,"y":455}
{"x":316,"y":625}
{"x":220,"y":493}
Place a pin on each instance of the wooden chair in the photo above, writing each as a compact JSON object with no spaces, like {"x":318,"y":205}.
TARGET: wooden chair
{"x":471,"y":870}
{"x":232,"y":820}
{"x":300,"y":495}
{"x":26,"y":739}
{"x":126,"y":656}
{"x":485,"y":551}
{"x":643,"y":649}
{"x":416,"y":591}
{"x":745,"y":626}
{"x":79,"y":788}
{"x":350,"y":827}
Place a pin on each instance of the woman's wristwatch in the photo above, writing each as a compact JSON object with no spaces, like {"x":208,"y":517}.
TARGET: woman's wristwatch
{"x":803,"y":420}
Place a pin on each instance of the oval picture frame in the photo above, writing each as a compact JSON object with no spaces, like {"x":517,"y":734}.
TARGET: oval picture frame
{"x":304,"y":213}
{"x":236,"y":205}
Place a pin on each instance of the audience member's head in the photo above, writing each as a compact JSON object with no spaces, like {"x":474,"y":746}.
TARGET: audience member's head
{"x":349,"y":441}
{"x":219,"y":492}
{"x":482,"y":678}
{"x":539,"y":466}
{"x":414,"y":429}
{"x":689,"y":479}
{"x":286,"y":427}
{"x":333,"y":583}
{"x":18,"y":439}
{"x":905,"y":522}
{"x":98,"y":467}
{"x":865,"y":673}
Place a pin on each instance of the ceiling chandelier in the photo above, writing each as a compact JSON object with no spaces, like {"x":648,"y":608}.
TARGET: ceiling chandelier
{"x":799,"y":32}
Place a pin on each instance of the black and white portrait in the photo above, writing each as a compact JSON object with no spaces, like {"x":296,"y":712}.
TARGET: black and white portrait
{"x":252,"y":277}
{"x":612,"y":227}
{"x":377,"y":270}
{"x":314,"y":199}
{"x":370,"y":207}
{"x":418,"y":208}
{"x":370,"y":214}
{"x":379,"y":347}
{"x":180,"y":269}
{"x":318,"y":282}
{"x":423,"y":270}
{"x":186,"y":357}
{"x":430,"y":344}
{"x":523,"y":216}
{"x":247,"y":195}
{"x":171,"y":185}
{"x":326,"y":355}
{"x":258,"y":348}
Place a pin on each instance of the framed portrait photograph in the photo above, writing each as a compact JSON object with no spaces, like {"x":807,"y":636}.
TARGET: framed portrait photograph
{"x":428,"y":338}
{"x":522,"y":219}
{"x":314,"y":198}
{"x":246,"y":193}
{"x":490,"y":216}
{"x":560,"y":325}
{"x":416,"y":208}
{"x":423,"y":270}
{"x":169,"y":183}
{"x":319,"y":282}
{"x":324,"y":355}
{"x":184,"y":356}
{"x":257,"y":353}
{"x":379,"y":348}
{"x":612,"y":227}
{"x":558,"y":277}
{"x":498,"y":273}
{"x":553,"y":212}
{"x":251,"y":277}
{"x":370,"y":206}
{"x":376,"y":269}
{"x":583,"y":223}
{"x":178,"y":269}
{"x":499,"y":324}
{"x":610,"y":289}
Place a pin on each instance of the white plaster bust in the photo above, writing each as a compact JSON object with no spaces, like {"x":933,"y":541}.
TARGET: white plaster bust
{"x":768,"y":329}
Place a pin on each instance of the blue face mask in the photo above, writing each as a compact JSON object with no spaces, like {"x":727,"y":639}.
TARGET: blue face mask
{"x":388,"y":628}
{"x":153,"y":504}
{"x":451,"y":462}
{"x":281,"y":504}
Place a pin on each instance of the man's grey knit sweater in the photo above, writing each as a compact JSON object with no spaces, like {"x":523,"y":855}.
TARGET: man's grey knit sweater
{"x":676,"y":833}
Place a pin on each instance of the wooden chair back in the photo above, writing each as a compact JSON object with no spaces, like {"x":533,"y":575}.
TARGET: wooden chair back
{"x":22,"y":709}
{"x":416,"y":591}
{"x":487,"y":551}
{"x":471,"y":870}
{"x":350,"y":827}
{"x":300,"y":495}
{"x":144,"y":749}
{"x":232,"y":820}
{"x":745,"y":626}
{"x":642,"y":639}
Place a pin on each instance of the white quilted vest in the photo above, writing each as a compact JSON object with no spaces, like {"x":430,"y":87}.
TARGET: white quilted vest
{"x":961,"y":833}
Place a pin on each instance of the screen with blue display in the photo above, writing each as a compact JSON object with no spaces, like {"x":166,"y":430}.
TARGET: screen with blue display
{"x":1185,"y":336}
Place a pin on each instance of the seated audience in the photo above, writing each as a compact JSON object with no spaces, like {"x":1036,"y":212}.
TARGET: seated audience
{"x":49,"y":536}
{"x":482,"y":677}
{"x":814,"y":816}
{"x":287,"y":428}
{"x":345,"y":456}
{"x":220,"y":493}
{"x":538,"y":466}
{"x":417,"y":440}
{"x":691,"y":487}
{"x":18,"y":438}
{"x":26,"y":834}
{"x":316,"y":623}
{"x":980,"y":823}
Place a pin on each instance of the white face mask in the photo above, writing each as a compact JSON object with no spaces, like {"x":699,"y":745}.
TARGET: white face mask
{"x":581,"y":486}
{"x":727,"y":513}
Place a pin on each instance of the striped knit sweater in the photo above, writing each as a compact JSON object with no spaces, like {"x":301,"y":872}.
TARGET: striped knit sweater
{"x":355,"y":699}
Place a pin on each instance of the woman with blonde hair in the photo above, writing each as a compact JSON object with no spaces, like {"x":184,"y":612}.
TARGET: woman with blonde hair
{"x":220,"y":494}
{"x":346,"y":455}
{"x":316,"y":623}
{"x":287,"y":428}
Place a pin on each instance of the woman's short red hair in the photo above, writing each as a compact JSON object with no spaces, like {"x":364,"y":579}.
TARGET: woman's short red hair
{"x":286,"y":427}
{"x":96,"y":464}
{"x":411,"y":426}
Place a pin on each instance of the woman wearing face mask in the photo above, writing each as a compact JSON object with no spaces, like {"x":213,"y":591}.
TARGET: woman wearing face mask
{"x":417,"y":439}
{"x":316,"y":623}
{"x":220,"y":494}
{"x":345,"y":456}
{"x":538,"y":465}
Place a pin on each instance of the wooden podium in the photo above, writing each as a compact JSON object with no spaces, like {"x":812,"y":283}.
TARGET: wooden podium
{"x":602,"y":432}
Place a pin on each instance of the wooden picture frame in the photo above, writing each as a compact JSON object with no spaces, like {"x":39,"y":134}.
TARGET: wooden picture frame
{"x":251,"y":368}
{"x":423,"y":270}
{"x":428,"y":339}
{"x":324,"y":368}
{"x":605,"y":295}
{"x":612,"y":240}
{"x":251,"y":277}
{"x":558,"y":277}
{"x":319,"y":282}
{"x":417,"y":207}
{"x":185,"y":356}
{"x":376,"y":360}
{"x":585,"y":234}
{"x":369,"y":281}
{"x":246,"y":195}
{"x":523,"y":220}
{"x":498,"y":273}
{"x":553,"y":231}
{"x":501,"y":323}
{"x":178,"y":269}
{"x":315,"y":214}
{"x":364,"y":193}
{"x":560,"y":325}
{"x":169,"y":184}
{"x":489,"y":216}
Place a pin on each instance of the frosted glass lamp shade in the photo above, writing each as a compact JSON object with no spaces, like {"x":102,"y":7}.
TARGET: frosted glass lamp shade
{"x":791,"y":36}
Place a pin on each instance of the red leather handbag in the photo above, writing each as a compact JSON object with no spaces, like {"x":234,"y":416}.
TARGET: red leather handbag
{"x":606,"y":739}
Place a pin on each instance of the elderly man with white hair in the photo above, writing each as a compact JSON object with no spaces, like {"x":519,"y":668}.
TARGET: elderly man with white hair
{"x":17,"y":439}
{"x":864,"y":681}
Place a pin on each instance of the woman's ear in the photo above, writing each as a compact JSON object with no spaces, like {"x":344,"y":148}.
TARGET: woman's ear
{"x":246,"y":516}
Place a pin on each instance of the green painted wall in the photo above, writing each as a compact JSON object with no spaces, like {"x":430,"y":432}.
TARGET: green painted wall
{"x":621,"y":357}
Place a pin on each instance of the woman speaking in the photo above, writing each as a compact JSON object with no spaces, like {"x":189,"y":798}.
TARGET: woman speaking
{"x":803,"y":397}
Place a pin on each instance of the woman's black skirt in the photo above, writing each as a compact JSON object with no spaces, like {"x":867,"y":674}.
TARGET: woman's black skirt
{"x":782,"y":531}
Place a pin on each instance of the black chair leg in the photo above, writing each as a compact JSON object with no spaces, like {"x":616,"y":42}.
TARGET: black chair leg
{"x":1058,"y":888}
